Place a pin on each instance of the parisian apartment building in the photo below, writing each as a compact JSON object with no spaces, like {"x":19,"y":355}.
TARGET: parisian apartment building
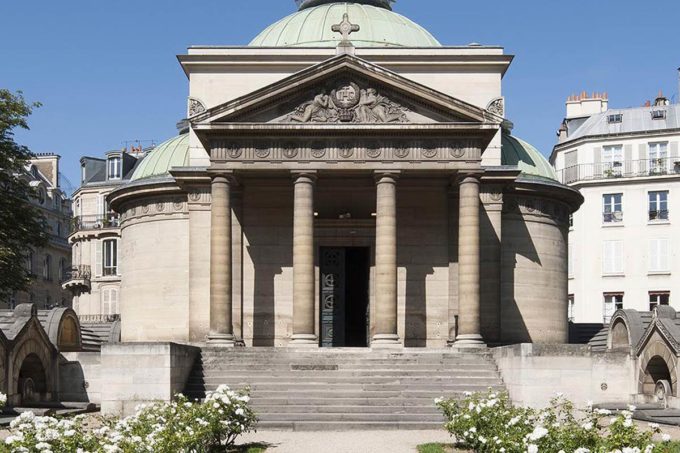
{"x":623,"y":242}
{"x":94,"y":280}
{"x":48,"y":266}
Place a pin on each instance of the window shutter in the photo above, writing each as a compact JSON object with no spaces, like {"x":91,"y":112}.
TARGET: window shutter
{"x":618,"y":262}
{"x":597,"y":156}
{"x":114,"y":302}
{"x":99,"y":258}
{"x":100,"y":205}
{"x":106,"y":301}
{"x":674,"y":149}
{"x":606,"y":257}
{"x":659,"y":255}
{"x":664,"y":256}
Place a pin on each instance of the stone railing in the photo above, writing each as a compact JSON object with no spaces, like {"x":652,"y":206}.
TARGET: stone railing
{"x":98,"y":319}
{"x":620,"y":169}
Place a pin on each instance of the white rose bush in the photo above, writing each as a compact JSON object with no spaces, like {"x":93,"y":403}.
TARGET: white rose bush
{"x":490,"y":423}
{"x":179,"y":426}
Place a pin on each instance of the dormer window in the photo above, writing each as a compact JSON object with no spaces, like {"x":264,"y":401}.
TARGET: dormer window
{"x":658,"y":114}
{"x":114,"y":167}
{"x":615,"y":118}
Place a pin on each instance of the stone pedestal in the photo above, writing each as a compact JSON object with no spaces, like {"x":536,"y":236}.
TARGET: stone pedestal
{"x":385,"y":312}
{"x":469,"y":330}
{"x":303,"y":262}
{"x":221,"y":328}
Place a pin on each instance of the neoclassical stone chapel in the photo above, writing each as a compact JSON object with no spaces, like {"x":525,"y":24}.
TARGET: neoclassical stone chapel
{"x":345,"y":180}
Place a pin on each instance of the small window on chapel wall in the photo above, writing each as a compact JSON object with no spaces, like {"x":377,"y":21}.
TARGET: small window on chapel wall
{"x":657,"y":298}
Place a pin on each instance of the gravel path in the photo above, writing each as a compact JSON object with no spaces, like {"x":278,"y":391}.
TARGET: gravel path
{"x":345,"y":442}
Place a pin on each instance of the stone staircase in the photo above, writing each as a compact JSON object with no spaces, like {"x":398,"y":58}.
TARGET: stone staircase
{"x":344,"y":389}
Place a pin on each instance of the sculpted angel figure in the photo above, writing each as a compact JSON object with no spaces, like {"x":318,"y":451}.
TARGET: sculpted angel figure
{"x":313,"y":110}
{"x":374,"y":108}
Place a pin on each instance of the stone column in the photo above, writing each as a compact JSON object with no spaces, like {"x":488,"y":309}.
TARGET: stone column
{"x":303,"y":262}
{"x":386,"y":262}
{"x":491,"y":216}
{"x":469,"y":330}
{"x":221,"y":328}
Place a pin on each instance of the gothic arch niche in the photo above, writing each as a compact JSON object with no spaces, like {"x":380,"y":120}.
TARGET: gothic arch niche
{"x":620,"y":339}
{"x":657,"y":363}
{"x":32,"y":383}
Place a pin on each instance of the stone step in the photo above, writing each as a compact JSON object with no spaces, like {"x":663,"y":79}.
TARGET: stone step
{"x":351,"y":417}
{"x":301,"y":393}
{"x":435,"y":372}
{"x":342,"y":409}
{"x":349,"y":426}
{"x":321,"y":402}
{"x":218,"y":379}
{"x":357,"y":388}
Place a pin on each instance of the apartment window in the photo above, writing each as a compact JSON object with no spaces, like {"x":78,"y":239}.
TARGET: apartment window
{"x":657,"y":298}
{"x":659,"y":256}
{"x":615,"y":118}
{"x":658,"y":157}
{"x":570,"y":307}
{"x":658,"y":205}
{"x":612,"y":264}
{"x":658,"y":114}
{"x":83,"y":173}
{"x":109,"y":301}
{"x":612,"y":302}
{"x":114,"y":168}
{"x":110,"y":257}
{"x":48,"y":301}
{"x":63,"y":271}
{"x":47,"y":267}
{"x":612,"y":207}
{"x":612,"y":160}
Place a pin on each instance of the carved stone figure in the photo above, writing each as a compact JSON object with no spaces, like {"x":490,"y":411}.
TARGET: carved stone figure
{"x":313,"y":111}
{"x":349,"y":103}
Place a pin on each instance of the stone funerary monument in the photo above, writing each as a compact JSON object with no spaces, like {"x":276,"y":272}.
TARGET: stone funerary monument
{"x":347,"y":182}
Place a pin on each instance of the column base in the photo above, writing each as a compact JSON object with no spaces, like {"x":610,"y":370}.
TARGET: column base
{"x":223,"y":340}
{"x":386,"y":341}
{"x":304,"y":340}
{"x":470,"y":341}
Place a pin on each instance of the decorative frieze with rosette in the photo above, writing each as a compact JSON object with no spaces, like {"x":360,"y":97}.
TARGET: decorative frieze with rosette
{"x":528,"y":206}
{"x":157,"y":206}
{"x":358,"y":151}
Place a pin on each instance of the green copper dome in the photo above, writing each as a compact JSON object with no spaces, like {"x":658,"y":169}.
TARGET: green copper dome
{"x":159,"y":161}
{"x":312,"y":27}
{"x":515,"y":151}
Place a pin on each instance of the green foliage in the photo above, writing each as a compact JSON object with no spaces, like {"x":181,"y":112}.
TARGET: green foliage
{"x":22,"y":225}
{"x":181,"y":426}
{"x":490,"y":423}
{"x":435,"y":448}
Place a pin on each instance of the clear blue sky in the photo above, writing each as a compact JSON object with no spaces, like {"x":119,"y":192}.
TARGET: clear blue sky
{"x":106,"y":71}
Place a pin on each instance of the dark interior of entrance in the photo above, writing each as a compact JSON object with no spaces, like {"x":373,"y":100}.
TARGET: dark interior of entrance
{"x":344,"y":296}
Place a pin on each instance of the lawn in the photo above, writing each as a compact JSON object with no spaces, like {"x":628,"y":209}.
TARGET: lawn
{"x":250,"y":448}
{"x":436,"y":448}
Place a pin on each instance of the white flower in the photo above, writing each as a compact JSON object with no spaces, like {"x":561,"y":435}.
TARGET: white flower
{"x":531,"y":448}
{"x":582,"y":450}
{"x":513,"y":421}
{"x":438,"y":400}
{"x":628,"y":422}
{"x":482,"y":439}
{"x":538,"y":433}
{"x":654,"y":425}
{"x":631,"y":408}
{"x":473,"y":430}
{"x":587,"y":426}
{"x":665,"y":437}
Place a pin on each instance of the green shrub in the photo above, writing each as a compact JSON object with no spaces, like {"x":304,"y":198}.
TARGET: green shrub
{"x":490,"y":423}
{"x":179,"y":426}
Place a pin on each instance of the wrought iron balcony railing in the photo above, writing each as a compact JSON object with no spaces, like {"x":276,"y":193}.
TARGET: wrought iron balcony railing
{"x":620,"y":169}
{"x":77,"y":278}
{"x":95,"y":222}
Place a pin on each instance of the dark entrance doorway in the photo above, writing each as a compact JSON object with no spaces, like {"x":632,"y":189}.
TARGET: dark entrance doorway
{"x":344,"y":296}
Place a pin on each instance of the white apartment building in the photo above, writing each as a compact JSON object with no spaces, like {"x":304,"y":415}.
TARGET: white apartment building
{"x":95,"y":276}
{"x":624,"y":241}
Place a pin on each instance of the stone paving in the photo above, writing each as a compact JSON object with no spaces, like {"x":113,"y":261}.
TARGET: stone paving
{"x":345,"y":441}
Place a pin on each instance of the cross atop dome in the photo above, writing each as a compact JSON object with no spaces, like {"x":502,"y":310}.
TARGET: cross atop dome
{"x":304,"y":4}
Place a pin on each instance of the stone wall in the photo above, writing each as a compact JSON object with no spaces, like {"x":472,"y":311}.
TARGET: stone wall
{"x":139,"y":373}
{"x":154,"y":260}
{"x":534,"y":373}
{"x":534,"y":271}
{"x":80,"y":377}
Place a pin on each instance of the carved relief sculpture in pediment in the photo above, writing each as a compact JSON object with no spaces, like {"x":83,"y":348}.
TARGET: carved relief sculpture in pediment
{"x":349,"y":104}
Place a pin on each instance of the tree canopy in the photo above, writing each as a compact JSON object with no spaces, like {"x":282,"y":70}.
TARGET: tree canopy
{"x":22,"y":225}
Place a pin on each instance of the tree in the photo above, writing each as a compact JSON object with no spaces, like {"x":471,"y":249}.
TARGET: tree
{"x":22,"y":225}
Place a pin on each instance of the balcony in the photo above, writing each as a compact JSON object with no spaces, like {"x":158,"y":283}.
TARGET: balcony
{"x":77,"y":279}
{"x":95,"y":222}
{"x":620,"y":169}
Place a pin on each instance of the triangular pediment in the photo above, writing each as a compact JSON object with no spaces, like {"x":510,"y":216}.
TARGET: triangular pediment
{"x":345,"y":90}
